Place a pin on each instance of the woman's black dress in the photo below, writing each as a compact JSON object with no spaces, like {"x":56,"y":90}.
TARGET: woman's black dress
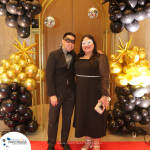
{"x":89,"y":89}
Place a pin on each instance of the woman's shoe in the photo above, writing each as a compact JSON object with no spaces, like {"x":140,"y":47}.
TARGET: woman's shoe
{"x":90,"y":146}
{"x":96,"y":146}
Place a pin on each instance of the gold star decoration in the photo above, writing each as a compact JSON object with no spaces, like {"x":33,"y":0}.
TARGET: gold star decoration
{"x":23,"y":50}
{"x":124,"y":50}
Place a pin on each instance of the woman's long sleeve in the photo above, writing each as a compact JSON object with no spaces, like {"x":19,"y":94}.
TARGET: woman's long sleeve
{"x":104,"y":72}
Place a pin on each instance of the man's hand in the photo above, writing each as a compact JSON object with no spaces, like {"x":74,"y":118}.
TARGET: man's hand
{"x":54,"y":100}
{"x":100,"y":52}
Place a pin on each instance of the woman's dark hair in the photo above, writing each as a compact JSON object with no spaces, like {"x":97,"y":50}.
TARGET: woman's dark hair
{"x":95,"y":55}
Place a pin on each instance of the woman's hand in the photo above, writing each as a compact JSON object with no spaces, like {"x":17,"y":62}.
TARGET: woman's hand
{"x":104,"y":101}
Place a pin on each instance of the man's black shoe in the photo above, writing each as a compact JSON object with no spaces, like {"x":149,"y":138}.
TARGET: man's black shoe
{"x":65,"y":146}
{"x":50,"y":148}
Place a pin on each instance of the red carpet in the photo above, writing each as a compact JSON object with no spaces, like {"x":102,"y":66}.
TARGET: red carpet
{"x":42,"y":145}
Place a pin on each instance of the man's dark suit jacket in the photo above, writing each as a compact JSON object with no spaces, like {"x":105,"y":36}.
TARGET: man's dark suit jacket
{"x":57,"y":73}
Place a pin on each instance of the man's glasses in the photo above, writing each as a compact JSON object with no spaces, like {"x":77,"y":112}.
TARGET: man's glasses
{"x":69,"y":40}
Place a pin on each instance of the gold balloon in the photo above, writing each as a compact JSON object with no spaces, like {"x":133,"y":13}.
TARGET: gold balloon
{"x":120,"y":60}
{"x":2,"y":70}
{"x":115,"y":68}
{"x":22,"y":63}
{"x":12,"y":67}
{"x":143,"y":64}
{"x":135,"y":48}
{"x":141,"y":49}
{"x":17,"y":68}
{"x":6,"y":65}
{"x":13,"y":58}
{"x":16,"y":80}
{"x":10,"y":74}
{"x":37,"y":77}
{"x":134,"y":56}
{"x":31,"y":70}
{"x":134,"y":76}
{"x":125,"y":69}
{"x":120,"y":80}
{"x":21,"y":76}
{"x":113,"y":57}
{"x":3,"y":61}
{"x":142,"y":54}
{"x":5,"y":79}
{"x":29,"y":83}
{"x":30,"y":61}
{"x":131,"y":65}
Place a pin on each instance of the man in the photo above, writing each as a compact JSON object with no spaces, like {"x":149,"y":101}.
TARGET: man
{"x":61,"y":89}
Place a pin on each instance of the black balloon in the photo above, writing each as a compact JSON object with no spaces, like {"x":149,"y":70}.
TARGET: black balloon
{"x":20,"y":127}
{"x":4,"y":1}
{"x":23,"y":32}
{"x":36,"y":7}
{"x":141,"y":2}
{"x":122,"y":6}
{"x":14,"y":86}
{"x":32,"y":126}
{"x":11,"y":7}
{"x":112,"y":8}
{"x":130,"y":98}
{"x":22,"y":89}
{"x":148,"y":109}
{"x":127,"y":16}
{"x":14,"y":95}
{"x":25,"y":98}
{"x":6,"y":119}
{"x":24,"y":21}
{"x":28,"y":115}
{"x":11,"y":123}
{"x":136,"y":117}
{"x":27,"y":5}
{"x":127,"y":106}
{"x":121,"y":99}
{"x":140,"y":14}
{"x":9,"y":115}
{"x":116,"y":105}
{"x":127,"y":117}
{"x":20,"y":11}
{"x":147,"y":7}
{"x":117,"y":26}
{"x":9,"y":105}
{"x":119,"y":122}
{"x":131,"y":126}
{"x":16,"y":116}
{"x":35,"y":23}
{"x":117,"y":14}
{"x":1,"y":100}
{"x":143,"y":112}
{"x":133,"y":26}
{"x":125,"y":90}
{"x":124,"y":129}
{"x":30,"y":13}
{"x":3,"y":10}
{"x":113,"y":126}
{"x":112,"y":17}
{"x":2,"y":115}
{"x":4,"y":90}
{"x":130,"y":3}
{"x":22,"y":109}
{"x":22,"y":2}
{"x":145,"y":120}
{"x":11,"y":21}
{"x":118,"y":113}
{"x":22,"y":119}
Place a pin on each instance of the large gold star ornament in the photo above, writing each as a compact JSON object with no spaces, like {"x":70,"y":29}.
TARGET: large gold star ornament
{"x":24,"y":51}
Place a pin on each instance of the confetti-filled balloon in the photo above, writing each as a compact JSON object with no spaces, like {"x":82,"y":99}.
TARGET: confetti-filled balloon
{"x":49,"y":21}
{"x":92,"y":12}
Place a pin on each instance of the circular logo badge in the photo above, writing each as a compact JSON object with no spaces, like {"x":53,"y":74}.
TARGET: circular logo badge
{"x":14,"y":141}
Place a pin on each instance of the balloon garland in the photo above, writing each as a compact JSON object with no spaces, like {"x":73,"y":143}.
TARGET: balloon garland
{"x":132,"y":79}
{"x":20,"y":15}
{"x":14,"y":108}
{"x":127,"y":13}
{"x":21,"y":68}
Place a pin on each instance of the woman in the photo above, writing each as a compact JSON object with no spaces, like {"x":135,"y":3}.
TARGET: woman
{"x":92,"y":82}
